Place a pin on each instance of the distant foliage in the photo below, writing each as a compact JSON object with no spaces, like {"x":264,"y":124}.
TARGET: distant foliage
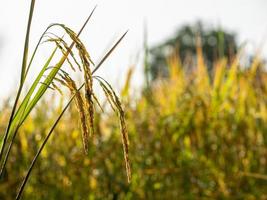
{"x":216,"y":43}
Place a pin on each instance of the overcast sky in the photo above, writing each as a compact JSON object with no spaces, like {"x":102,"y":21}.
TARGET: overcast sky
{"x":247,"y":18}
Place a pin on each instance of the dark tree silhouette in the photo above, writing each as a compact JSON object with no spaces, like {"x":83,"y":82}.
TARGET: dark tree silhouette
{"x":216,"y":43}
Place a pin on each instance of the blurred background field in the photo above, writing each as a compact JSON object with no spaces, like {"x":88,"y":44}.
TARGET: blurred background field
{"x":197,"y":127}
{"x":194,"y":134}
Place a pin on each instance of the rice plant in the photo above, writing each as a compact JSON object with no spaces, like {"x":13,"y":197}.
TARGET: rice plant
{"x":54,"y":76}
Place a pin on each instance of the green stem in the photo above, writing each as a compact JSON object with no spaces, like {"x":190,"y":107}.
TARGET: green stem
{"x":24,"y":63}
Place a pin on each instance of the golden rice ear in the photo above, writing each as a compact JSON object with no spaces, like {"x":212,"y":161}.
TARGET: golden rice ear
{"x":90,"y":113}
{"x":66,"y":81}
{"x":79,"y":45}
{"x":83,"y":118}
{"x":114,"y":99}
{"x":124,"y":133}
{"x":89,"y":96}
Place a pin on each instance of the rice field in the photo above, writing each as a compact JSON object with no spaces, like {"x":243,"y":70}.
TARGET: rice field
{"x":197,"y":135}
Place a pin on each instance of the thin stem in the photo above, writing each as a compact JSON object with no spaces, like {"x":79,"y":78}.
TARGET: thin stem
{"x":8,"y":151}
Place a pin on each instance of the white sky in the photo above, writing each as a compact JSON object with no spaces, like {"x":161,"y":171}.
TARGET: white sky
{"x":248,"y":18}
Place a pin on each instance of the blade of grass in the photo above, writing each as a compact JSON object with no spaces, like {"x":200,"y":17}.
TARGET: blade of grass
{"x":24,"y":64}
{"x":25,"y":101}
{"x":26,"y":44}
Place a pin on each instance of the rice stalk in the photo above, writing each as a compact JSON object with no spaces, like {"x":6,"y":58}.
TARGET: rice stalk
{"x":28,"y":103}
{"x":21,"y":189}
